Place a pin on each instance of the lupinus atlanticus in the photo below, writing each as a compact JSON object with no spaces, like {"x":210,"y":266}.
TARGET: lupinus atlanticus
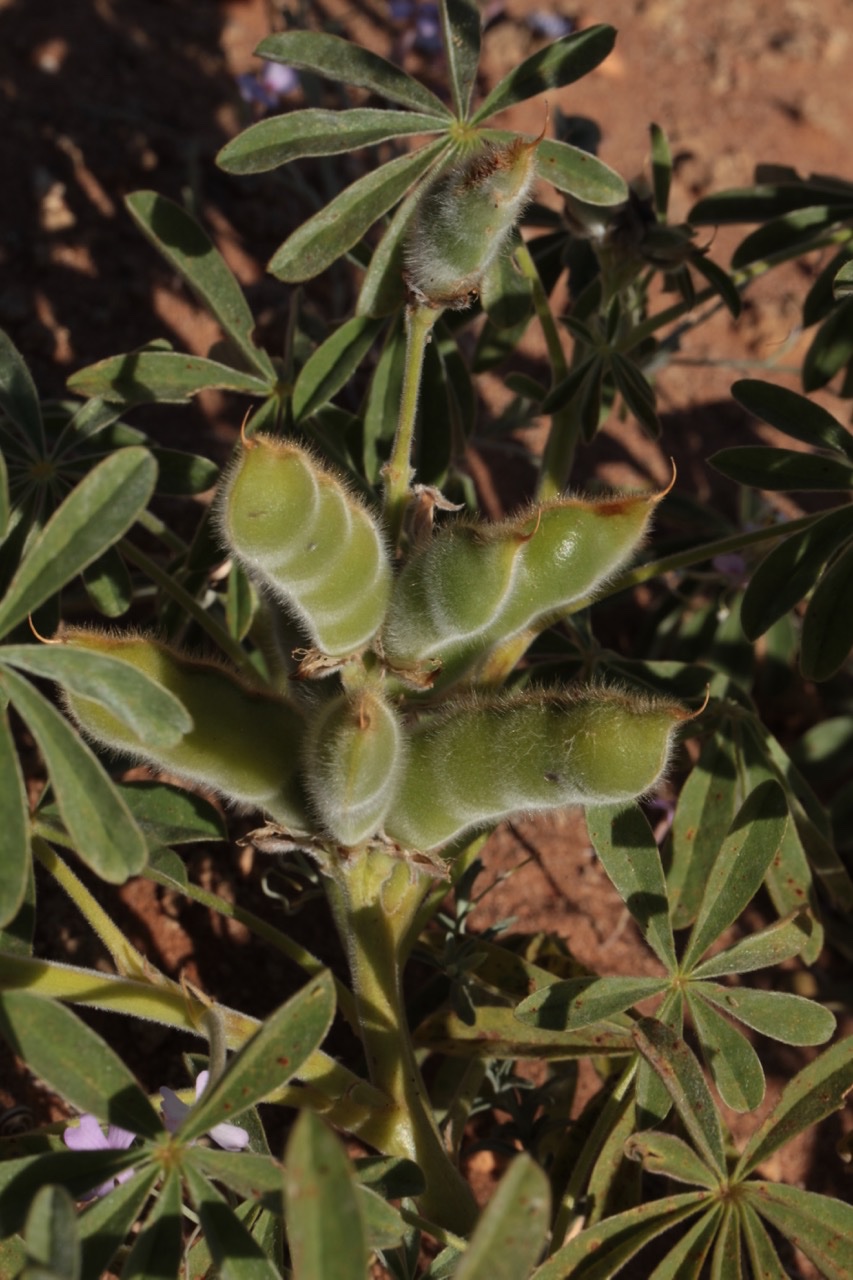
{"x":480,"y":760}
{"x":244,"y":744}
{"x":298,"y":530}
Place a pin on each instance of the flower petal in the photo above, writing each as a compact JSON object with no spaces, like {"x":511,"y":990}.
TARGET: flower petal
{"x":87,"y":1135}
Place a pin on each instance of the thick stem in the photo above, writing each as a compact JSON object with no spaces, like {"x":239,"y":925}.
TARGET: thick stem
{"x":374,"y":899}
{"x":397,"y":472}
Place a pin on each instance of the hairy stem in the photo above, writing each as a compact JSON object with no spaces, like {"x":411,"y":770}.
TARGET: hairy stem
{"x":374,"y":900}
{"x":397,"y":472}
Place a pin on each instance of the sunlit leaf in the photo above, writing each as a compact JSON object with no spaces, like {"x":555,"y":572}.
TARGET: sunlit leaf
{"x":821,"y":1227}
{"x":827,"y":634}
{"x":334,"y":362}
{"x":624,"y":842}
{"x":580,"y":1002}
{"x":460,"y":25}
{"x":558,"y":64}
{"x":682,"y":1075}
{"x":789,"y":1018}
{"x":165,"y":377}
{"x":325,"y":1226}
{"x":703,"y":815}
{"x":731,"y":1059}
{"x":511,"y":1232}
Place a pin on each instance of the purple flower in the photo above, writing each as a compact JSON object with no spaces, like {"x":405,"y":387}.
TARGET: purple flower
{"x":550,"y":26}
{"x":228,"y":1136}
{"x":89,"y":1136}
{"x":269,"y":85}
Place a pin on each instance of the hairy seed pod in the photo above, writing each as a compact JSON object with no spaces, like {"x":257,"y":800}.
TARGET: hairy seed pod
{"x":244,"y":744}
{"x":480,"y":761}
{"x":354,"y":752}
{"x":296,"y":528}
{"x":464,"y":221}
{"x":472,"y":587}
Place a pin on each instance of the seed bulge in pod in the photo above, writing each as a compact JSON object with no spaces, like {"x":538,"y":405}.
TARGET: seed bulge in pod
{"x":296,"y":529}
{"x":244,"y":744}
{"x":464,"y":220}
{"x":480,"y":761}
{"x":354,"y":753}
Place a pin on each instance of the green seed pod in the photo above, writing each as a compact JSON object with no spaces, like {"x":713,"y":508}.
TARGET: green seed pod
{"x":464,"y":220}
{"x":354,"y":752}
{"x":244,"y":744}
{"x":449,"y":592}
{"x":474,"y":587}
{"x":478,"y":761}
{"x":296,"y":528}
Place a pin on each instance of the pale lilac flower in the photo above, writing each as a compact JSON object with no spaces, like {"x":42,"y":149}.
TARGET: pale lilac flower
{"x":89,"y":1136}
{"x":732,"y":565}
{"x":550,"y":26}
{"x":269,"y":85}
{"x":228,"y":1136}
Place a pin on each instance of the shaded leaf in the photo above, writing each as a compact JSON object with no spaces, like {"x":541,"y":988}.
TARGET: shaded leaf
{"x":789,"y":232}
{"x":831,"y":347}
{"x":108,"y":584}
{"x":235,"y":1254}
{"x":512,"y":1230}
{"x":89,"y":1074}
{"x":703,"y":815}
{"x":460,"y":27}
{"x":182,"y":474}
{"x":15,"y":861}
{"x":277,"y":140}
{"x":165,"y":377}
{"x":340,"y":60}
{"x":558,"y":64}
{"x":764,"y":467}
{"x":52,"y":1237}
{"x":623,"y":840}
{"x":779,"y":941}
{"x":332,"y":365}
{"x":100,"y":826}
{"x":18,"y":396}
{"x":792,"y":413}
{"x":580,"y":1002}
{"x":317,"y":243}
{"x":106,"y":1223}
{"x":188,"y":248}
{"x":168,"y":815}
{"x":842,"y":285}
{"x":731,"y":1059}
{"x":96,"y":513}
{"x":763,"y":1257}
{"x":764,"y":201}
{"x":497,"y":1033}
{"x":719,"y":280}
{"x":637,"y":392}
{"x":827,"y":634}
{"x":158,"y":1249}
{"x":325,"y":1227}
{"x":671,"y":1157}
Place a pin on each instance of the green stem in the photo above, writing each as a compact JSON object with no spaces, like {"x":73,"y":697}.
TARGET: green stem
{"x":397,"y":472}
{"x":374,"y":900}
{"x":696,"y":555}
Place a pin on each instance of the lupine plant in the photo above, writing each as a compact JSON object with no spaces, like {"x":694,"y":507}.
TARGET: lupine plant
{"x":380,"y":676}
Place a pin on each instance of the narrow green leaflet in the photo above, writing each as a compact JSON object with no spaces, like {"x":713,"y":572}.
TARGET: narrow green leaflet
{"x":189,"y":249}
{"x":703,"y":815}
{"x":788,"y":233}
{"x":820,"y":1226}
{"x":779,"y":941}
{"x":383,"y":289}
{"x":277,"y":140}
{"x":168,"y":815}
{"x":181,"y":474}
{"x":719,"y":280}
{"x":108,"y":584}
{"x":324,"y":238}
{"x":167,"y":377}
{"x":87,"y":1073}
{"x":511,"y":1233}
{"x":52,"y":1236}
{"x":842,"y":285}
{"x":753,"y":840}
{"x":252,"y":1176}
{"x":681,"y":1073}
{"x":325,"y":1227}
{"x":661,"y":169}
{"x":791,"y":569}
{"x":624,"y":842}
{"x":95,"y":514}
{"x":726,"y":1258}
{"x":78,"y":1171}
{"x":579,"y":174}
{"x":98,"y":822}
{"x":636,"y":391}
{"x":671,"y":1157}
{"x":236,"y":1255}
{"x":498,"y":1033}
{"x":332,"y":365}
{"x":273,"y":1056}
{"x":766,"y":200}
{"x":763,"y":1257}
{"x":617,"y":1239}
{"x":18,"y":396}
{"x":827,"y":629}
{"x":765,"y":467}
{"x":14,"y":864}
{"x":460,"y":28}
{"x":831,"y":348}
{"x":789,"y":1018}
{"x":158,"y":1249}
{"x":5,"y":507}
{"x":731,"y":1059}
{"x":814,"y":1093}
{"x":580,"y":1002}
{"x":792,"y":413}
{"x":687,"y":1258}
{"x":553,"y":67}
{"x":341,"y":60}
{"x":106,"y":1223}
{"x":153,"y":713}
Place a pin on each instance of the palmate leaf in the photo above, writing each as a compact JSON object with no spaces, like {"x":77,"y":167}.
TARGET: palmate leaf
{"x":460,"y":28}
{"x":827,"y":634}
{"x":511,"y":1232}
{"x":791,"y":569}
{"x":320,"y":241}
{"x":763,"y":1257}
{"x":95,"y":514}
{"x":636,"y":391}
{"x":325,"y":1226}
{"x":558,"y":64}
{"x":814,"y":1093}
{"x":497,"y":1033}
{"x":624,"y":842}
{"x":686,"y":1259}
{"x":578,"y":173}
{"x":794,"y":414}
{"x":340,"y":60}
{"x":820,"y":1226}
{"x":87,"y":1073}
{"x":192,"y":253}
{"x":277,"y":140}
